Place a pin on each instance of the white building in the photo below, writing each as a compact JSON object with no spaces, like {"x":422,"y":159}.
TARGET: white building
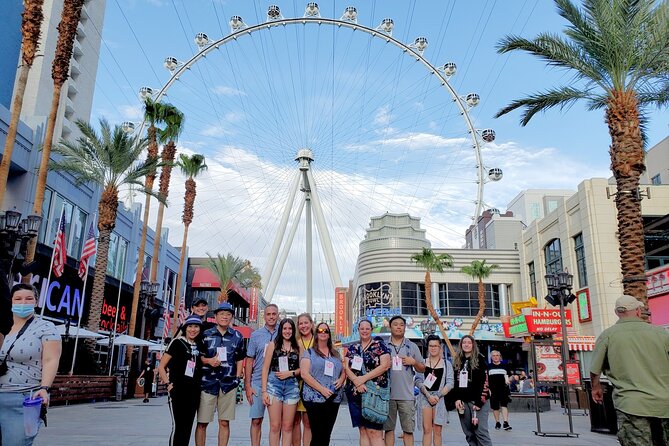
{"x":534,"y":204}
{"x":77,"y":94}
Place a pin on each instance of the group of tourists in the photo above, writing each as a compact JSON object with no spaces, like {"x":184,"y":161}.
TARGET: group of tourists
{"x":294,"y":372}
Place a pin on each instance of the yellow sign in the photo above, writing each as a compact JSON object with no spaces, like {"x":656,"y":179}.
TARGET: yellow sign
{"x":517,"y":307}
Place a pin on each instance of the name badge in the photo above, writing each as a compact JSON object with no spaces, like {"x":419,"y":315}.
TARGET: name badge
{"x":283,"y":363}
{"x":430,"y":380}
{"x":356,"y":363}
{"x":190,"y":368}
{"x":329,"y":368}
{"x":222,"y":354}
{"x":462,"y":382}
{"x":397,"y":363}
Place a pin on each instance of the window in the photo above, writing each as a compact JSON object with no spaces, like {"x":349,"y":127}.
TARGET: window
{"x":78,"y":231}
{"x":580,"y":261}
{"x":46,"y":214}
{"x":75,"y":222}
{"x":118,"y":247}
{"x":461,"y":299}
{"x":146,"y":268}
{"x":533,"y":279}
{"x":169,"y":285}
{"x":553,"y":255}
{"x":535,"y":211}
{"x":551,"y":205}
{"x":656,"y":179}
{"x":413,"y":298}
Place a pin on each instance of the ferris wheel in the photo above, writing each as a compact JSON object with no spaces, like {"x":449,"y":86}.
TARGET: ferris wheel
{"x":382,"y":129}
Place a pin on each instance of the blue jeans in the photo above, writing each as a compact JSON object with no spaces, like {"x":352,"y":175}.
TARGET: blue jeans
{"x":287,"y":390}
{"x":11,"y":421}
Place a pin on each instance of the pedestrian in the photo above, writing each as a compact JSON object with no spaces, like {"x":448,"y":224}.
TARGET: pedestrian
{"x":514,"y":384}
{"x":367,"y":364}
{"x":255,"y":355}
{"x":181,"y":368}
{"x":406,"y":361}
{"x":305,"y":331}
{"x":28,"y":363}
{"x":221,"y":371}
{"x":498,"y":382}
{"x":471,"y":392}
{"x":280,"y":389}
{"x":433,"y":385}
{"x":324,"y":377}
{"x":147,"y":375}
{"x":634,"y":356}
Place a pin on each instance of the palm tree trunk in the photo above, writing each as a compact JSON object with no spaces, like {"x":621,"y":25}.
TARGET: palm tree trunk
{"x":479,"y":315}
{"x":156,"y":242}
{"x":43,"y":172}
{"x":140,"y":267}
{"x":17,"y":105}
{"x":177,"y":291}
{"x":433,"y":312}
{"x":627,"y":164}
{"x":169,"y":151}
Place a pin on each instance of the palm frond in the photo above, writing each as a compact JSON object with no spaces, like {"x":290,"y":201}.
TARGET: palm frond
{"x":561,"y":97}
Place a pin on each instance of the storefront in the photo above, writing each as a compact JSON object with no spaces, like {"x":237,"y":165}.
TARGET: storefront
{"x":657,"y":283}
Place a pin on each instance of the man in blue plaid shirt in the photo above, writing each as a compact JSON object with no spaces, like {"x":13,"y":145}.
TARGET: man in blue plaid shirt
{"x":223,"y":367}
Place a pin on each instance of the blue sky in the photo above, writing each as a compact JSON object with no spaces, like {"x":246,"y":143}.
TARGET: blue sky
{"x":385,"y":135}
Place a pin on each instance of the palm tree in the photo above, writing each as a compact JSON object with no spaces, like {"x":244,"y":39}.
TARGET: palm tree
{"x":618,"y":53}
{"x":109,"y":161}
{"x":154,"y":114}
{"x":479,"y":270}
{"x":434,"y":262}
{"x":31,"y":27}
{"x":191,"y":167}
{"x":231,"y":268}
{"x":60,"y":72}
{"x":174,"y":123}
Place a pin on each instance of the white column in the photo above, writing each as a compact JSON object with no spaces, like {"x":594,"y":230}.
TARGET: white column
{"x":503,"y":301}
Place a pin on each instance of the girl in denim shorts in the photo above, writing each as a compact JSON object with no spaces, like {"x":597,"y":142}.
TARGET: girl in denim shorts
{"x":280,"y":389}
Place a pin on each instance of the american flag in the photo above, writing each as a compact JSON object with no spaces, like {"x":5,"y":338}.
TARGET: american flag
{"x":87,"y":252}
{"x":59,"y":248}
{"x":166,"y":322}
{"x":182,"y":311}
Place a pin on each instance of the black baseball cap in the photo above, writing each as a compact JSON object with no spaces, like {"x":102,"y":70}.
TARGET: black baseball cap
{"x":199,"y":301}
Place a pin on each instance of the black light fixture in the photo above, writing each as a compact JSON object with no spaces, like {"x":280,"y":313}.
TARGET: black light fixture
{"x":144,"y":287}
{"x":34,"y":222}
{"x":12,"y":219}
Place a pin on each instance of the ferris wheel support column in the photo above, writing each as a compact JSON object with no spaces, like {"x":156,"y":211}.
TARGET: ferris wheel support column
{"x":281,"y":232}
{"x":309,"y":243}
{"x":323,"y":233}
{"x":271,"y":287}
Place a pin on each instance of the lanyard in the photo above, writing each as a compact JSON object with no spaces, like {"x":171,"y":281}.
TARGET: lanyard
{"x":397,"y":349}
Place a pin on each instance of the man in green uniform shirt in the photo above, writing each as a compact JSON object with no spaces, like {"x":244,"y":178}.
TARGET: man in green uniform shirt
{"x":634,"y":355}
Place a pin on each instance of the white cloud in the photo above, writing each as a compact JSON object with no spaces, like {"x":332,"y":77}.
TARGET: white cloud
{"x":132,"y":112}
{"x":228,"y":91}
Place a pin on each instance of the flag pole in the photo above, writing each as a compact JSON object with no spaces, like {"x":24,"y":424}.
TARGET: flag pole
{"x":118,"y":303}
{"x":48,"y":279}
{"x":81,"y":308}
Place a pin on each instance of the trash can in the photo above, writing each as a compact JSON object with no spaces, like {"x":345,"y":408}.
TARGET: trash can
{"x":603,"y":418}
{"x":121,"y":382}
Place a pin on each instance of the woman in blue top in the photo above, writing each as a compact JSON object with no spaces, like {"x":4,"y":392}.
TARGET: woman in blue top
{"x":323,"y":376}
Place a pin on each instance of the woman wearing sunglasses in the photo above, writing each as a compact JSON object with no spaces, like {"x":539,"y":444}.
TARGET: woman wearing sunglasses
{"x":323,"y":376}
{"x":368,"y":360}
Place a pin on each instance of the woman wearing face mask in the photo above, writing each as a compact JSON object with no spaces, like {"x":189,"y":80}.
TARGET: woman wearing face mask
{"x":471,"y":392}
{"x":29,"y":361}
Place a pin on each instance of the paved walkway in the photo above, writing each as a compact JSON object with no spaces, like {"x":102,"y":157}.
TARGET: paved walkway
{"x":133,"y":423}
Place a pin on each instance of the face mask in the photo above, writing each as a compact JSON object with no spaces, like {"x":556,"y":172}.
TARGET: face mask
{"x":23,"y":310}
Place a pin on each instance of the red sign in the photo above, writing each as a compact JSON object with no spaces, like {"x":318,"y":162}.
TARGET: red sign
{"x":545,"y":320}
{"x":108,"y":316}
{"x":341,"y":323}
{"x":657,"y":281}
{"x":573,"y":374}
{"x":253,"y":310}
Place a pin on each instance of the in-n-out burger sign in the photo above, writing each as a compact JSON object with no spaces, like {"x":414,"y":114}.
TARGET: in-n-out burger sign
{"x":538,"y":321}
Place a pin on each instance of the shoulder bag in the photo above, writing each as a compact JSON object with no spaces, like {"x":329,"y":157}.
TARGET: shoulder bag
{"x":3,"y":364}
{"x":375,"y":402}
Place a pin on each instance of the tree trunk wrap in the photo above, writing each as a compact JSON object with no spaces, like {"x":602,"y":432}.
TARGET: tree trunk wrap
{"x":433,"y":312}
{"x":169,"y":152}
{"x":177,"y":291}
{"x":627,"y":164}
{"x":479,"y":314}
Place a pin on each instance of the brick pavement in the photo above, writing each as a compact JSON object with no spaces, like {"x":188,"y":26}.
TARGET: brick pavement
{"x":133,"y":423}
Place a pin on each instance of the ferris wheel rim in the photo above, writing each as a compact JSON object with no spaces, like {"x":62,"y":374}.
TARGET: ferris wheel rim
{"x":183,"y":67}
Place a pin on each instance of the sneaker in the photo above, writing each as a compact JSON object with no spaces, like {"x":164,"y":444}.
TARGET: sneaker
{"x":146,"y":400}
{"x":506,"y":426}
{"x":498,"y":426}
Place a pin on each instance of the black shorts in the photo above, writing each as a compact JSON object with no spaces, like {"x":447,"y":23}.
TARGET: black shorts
{"x":497,"y":401}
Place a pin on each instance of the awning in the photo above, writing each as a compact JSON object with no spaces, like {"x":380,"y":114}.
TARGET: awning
{"x":204,"y":278}
{"x":244,"y":330}
{"x":581,"y":343}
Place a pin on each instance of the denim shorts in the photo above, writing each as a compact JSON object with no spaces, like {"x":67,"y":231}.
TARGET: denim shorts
{"x":287,"y":390}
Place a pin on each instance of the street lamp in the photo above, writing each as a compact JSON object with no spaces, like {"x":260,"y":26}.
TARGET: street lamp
{"x":14,"y":236}
{"x":559,"y":286}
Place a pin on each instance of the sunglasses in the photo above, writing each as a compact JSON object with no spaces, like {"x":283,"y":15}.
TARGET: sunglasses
{"x":323,"y":330}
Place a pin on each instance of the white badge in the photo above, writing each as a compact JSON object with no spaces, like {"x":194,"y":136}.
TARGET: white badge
{"x":190,"y":368}
{"x":222,"y":354}
{"x":430,"y":380}
{"x":329,"y":368}
{"x":283,"y":363}
{"x":397,"y":363}
{"x":356,"y":363}
{"x":464,"y":376}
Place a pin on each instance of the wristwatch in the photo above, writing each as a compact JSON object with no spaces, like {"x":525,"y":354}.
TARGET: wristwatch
{"x":47,"y":388}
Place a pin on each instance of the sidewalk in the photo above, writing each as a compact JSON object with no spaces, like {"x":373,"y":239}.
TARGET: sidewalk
{"x":133,"y":423}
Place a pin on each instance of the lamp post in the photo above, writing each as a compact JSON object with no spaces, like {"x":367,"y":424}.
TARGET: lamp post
{"x":559,"y":286}
{"x":14,"y":236}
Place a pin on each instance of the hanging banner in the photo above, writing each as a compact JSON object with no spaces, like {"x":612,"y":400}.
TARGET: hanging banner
{"x":255,"y":301}
{"x":341,"y":322}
